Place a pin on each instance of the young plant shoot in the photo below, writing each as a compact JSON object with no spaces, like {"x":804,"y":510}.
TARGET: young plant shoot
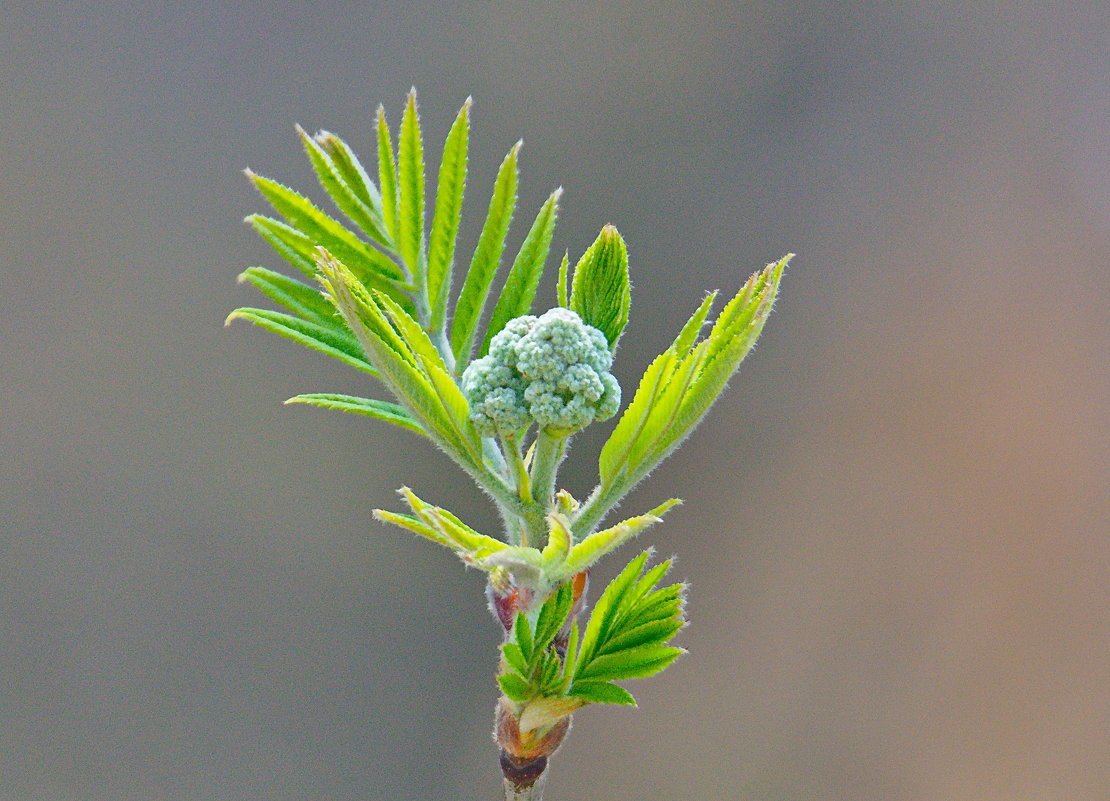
{"x":503,"y":402}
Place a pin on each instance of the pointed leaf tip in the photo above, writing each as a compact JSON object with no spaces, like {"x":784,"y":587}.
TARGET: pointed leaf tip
{"x":600,"y":290}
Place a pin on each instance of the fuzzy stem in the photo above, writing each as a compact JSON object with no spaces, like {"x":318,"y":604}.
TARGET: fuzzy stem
{"x":545,"y":464}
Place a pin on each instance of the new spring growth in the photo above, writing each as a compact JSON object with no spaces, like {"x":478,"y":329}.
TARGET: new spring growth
{"x":502,"y":399}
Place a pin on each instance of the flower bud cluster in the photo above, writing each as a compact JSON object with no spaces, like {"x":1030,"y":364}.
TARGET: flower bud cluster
{"x":552,"y":370}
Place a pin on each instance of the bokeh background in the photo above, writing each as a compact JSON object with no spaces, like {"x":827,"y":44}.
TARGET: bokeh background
{"x":896,"y":521}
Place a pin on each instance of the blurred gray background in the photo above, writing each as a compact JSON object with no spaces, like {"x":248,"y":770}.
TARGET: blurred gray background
{"x":896,"y":521}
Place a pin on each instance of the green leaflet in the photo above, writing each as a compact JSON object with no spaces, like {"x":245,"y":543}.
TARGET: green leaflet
{"x":412,"y":335}
{"x":607,"y":608}
{"x":680,"y":385}
{"x":730,"y":340}
{"x":410,"y":183}
{"x":514,"y":686}
{"x":425,"y":356}
{"x":415,"y":525}
{"x":561,"y":286}
{"x":602,"y":692}
{"x":379,"y":409}
{"x":397,"y":364}
{"x":466,"y":540}
{"x":338,"y":345}
{"x":661,"y":419}
{"x":600,"y":291}
{"x":522,"y":633}
{"x":487,"y":257}
{"x":371,"y":266}
{"x":387,"y":173}
{"x":596,"y":545}
{"x":618,"y":643}
{"x":442,"y":527}
{"x":630,"y":663}
{"x":515,"y":657}
{"x":524,"y":276}
{"x":341,"y":193}
{"x":301,"y":299}
{"x":645,"y":634}
{"x":614,"y":454}
{"x":290,"y":244}
{"x":448,"y":212}
{"x":352,"y":172}
{"x":453,"y":402}
{"x":690,"y":331}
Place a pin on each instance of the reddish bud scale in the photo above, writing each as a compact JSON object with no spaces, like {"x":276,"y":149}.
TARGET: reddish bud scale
{"x":506,"y":603}
{"x":526,"y":747}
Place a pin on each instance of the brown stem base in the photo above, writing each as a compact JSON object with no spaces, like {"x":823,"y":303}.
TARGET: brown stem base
{"x":522,"y":772}
{"x":531,"y":792}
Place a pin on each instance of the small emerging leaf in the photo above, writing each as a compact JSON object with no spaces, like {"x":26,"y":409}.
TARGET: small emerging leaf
{"x":515,"y":658}
{"x":553,"y":615}
{"x":444,"y":528}
{"x":602,"y":692}
{"x":627,"y":633}
{"x":563,"y":298}
{"x":600,"y":291}
{"x":599,"y":543}
{"x":559,"y":539}
{"x":415,"y":525}
{"x":515,"y":687}
{"x":522,"y":633}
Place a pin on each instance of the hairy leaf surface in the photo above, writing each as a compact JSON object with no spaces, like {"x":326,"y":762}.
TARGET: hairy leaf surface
{"x":448,"y":213}
{"x":487,"y":257}
{"x":524,"y":276}
{"x":600,"y":291}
